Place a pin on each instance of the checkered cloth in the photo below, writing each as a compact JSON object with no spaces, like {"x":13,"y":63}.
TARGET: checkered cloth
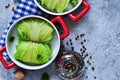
{"x":24,"y":8}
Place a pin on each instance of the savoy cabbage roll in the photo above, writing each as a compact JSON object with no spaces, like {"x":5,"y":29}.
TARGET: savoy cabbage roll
{"x":58,"y":6}
{"x":35,"y":30}
{"x":32,"y":53}
{"x":54,"y":5}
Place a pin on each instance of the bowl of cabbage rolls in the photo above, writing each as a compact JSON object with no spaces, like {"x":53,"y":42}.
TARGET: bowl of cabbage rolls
{"x":33,"y":42}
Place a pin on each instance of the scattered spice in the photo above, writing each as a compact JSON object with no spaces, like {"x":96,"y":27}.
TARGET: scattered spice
{"x":13,"y":9}
{"x":72,"y":48}
{"x":81,"y":49}
{"x":81,"y":43}
{"x":67,"y":43}
{"x":82,"y":53}
{"x":76,"y":38}
{"x":88,"y":62}
{"x":85,"y":49}
{"x":90,"y":57}
{"x":45,"y":76}
{"x":85,"y":55}
{"x":81,"y":35}
{"x":95,"y":77}
{"x":93,"y":68}
{"x":19,"y":74}
{"x":84,"y":40}
{"x":71,"y":43}
{"x":7,"y":6}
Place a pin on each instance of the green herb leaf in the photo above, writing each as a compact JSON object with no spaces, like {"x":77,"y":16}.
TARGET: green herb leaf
{"x":45,"y":76}
{"x":74,"y":2}
{"x":12,"y":39}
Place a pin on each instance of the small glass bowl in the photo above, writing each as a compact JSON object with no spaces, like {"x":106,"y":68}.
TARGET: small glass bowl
{"x":70,"y":65}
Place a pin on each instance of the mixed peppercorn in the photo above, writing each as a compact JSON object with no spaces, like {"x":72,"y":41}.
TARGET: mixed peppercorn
{"x":83,"y":50}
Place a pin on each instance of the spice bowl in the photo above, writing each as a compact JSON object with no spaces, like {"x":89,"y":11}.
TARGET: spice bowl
{"x":70,"y":65}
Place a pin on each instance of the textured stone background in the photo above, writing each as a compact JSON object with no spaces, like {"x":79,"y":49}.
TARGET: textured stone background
{"x":101,"y":26}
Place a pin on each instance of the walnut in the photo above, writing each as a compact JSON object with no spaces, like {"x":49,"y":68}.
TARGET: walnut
{"x":19,"y":74}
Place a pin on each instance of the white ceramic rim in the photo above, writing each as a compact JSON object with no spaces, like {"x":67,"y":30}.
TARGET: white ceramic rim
{"x":32,"y":67}
{"x":53,"y":13}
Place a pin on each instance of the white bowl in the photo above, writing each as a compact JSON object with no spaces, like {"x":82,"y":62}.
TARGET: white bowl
{"x":11,"y":49}
{"x":53,"y":13}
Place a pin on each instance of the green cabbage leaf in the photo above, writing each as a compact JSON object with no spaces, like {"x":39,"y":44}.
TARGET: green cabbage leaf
{"x":54,"y":5}
{"x":32,"y":53}
{"x":35,"y":30}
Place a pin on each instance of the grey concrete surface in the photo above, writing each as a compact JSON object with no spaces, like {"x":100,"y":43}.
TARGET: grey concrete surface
{"x":101,"y":26}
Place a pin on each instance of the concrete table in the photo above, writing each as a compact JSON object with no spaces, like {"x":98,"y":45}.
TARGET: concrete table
{"x":101,"y":26}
